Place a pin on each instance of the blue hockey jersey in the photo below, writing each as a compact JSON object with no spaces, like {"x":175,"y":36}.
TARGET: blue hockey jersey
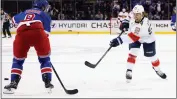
{"x":173,"y":22}
{"x":32,"y":15}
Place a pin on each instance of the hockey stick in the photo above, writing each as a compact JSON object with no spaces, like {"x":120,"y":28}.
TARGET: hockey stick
{"x":94,"y":65}
{"x":74,"y":91}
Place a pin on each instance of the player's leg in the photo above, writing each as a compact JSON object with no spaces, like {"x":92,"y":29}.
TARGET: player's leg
{"x":150,"y":52}
{"x":8,"y":30}
{"x":43,"y":50}
{"x":46,"y":71}
{"x":133,"y":53}
{"x":4,"y":31}
{"x":20,"y":49}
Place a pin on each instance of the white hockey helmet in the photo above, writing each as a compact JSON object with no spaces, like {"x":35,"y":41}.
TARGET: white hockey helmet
{"x":138,"y":9}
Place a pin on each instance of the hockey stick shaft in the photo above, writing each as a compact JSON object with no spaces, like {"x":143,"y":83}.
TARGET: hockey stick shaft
{"x":104,"y":55}
{"x":58,"y":78}
{"x":107,"y":51}
{"x":74,"y":91}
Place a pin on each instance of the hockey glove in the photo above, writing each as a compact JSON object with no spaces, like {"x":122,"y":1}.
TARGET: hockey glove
{"x":174,"y":28}
{"x":116,"y":42}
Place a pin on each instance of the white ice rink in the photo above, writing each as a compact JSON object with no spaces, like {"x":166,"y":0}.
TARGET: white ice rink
{"x":107,"y":80}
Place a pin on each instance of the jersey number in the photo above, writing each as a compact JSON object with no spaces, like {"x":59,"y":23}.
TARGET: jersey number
{"x":29,"y":17}
{"x":137,"y":30}
{"x":150,"y":30}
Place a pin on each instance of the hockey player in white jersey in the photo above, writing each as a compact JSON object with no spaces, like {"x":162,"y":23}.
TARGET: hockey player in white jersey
{"x":140,"y":33}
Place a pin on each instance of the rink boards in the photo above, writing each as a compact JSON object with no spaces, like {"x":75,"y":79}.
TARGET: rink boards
{"x":99,"y":27}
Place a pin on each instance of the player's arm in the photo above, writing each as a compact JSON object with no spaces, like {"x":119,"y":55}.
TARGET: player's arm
{"x":132,"y":35}
{"x":129,"y":38}
{"x":46,"y":23}
{"x":16,"y":19}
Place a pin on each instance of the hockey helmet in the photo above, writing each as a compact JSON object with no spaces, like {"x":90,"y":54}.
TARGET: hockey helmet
{"x":138,"y":9}
{"x":40,"y":3}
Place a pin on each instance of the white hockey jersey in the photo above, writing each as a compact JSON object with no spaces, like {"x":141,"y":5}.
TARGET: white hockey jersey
{"x":141,"y":32}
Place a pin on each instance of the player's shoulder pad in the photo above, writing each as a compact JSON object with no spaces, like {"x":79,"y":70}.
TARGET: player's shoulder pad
{"x":33,"y":10}
{"x":145,"y":20}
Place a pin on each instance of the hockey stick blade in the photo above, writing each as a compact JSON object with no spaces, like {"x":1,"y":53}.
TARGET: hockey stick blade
{"x":89,"y":64}
{"x":94,"y":65}
{"x":74,"y":91}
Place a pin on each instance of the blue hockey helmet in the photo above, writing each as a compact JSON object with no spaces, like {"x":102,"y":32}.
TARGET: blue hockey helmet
{"x":40,"y":3}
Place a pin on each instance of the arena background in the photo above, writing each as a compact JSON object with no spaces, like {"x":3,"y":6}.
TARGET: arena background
{"x":94,"y":16}
{"x":69,"y":52}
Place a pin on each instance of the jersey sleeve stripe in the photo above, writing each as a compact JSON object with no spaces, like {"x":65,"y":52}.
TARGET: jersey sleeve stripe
{"x":133,"y":37}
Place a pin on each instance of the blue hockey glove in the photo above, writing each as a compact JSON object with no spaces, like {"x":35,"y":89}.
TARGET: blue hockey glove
{"x":116,"y":42}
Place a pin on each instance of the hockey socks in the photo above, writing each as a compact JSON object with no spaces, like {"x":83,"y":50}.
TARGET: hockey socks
{"x":156,"y":67}
{"x":46,"y":69}
{"x":16,"y":71}
{"x":130,"y":63}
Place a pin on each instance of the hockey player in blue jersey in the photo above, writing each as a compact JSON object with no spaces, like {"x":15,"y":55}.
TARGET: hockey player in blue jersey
{"x":173,"y":20}
{"x":33,"y":27}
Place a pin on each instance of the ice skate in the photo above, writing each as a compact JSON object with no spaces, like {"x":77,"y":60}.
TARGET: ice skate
{"x":49,"y":87}
{"x":9,"y":36}
{"x":9,"y":89}
{"x":160,"y":73}
{"x":47,"y":83}
{"x":128,"y":75}
{"x":4,"y":37}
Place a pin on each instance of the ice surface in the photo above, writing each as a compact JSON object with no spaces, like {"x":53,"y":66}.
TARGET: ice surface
{"x":107,"y":80}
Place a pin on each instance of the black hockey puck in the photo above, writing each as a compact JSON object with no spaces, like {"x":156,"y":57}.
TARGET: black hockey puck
{"x":6,"y":78}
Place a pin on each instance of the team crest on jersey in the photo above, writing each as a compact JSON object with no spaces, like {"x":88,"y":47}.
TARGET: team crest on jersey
{"x":137,"y":30}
